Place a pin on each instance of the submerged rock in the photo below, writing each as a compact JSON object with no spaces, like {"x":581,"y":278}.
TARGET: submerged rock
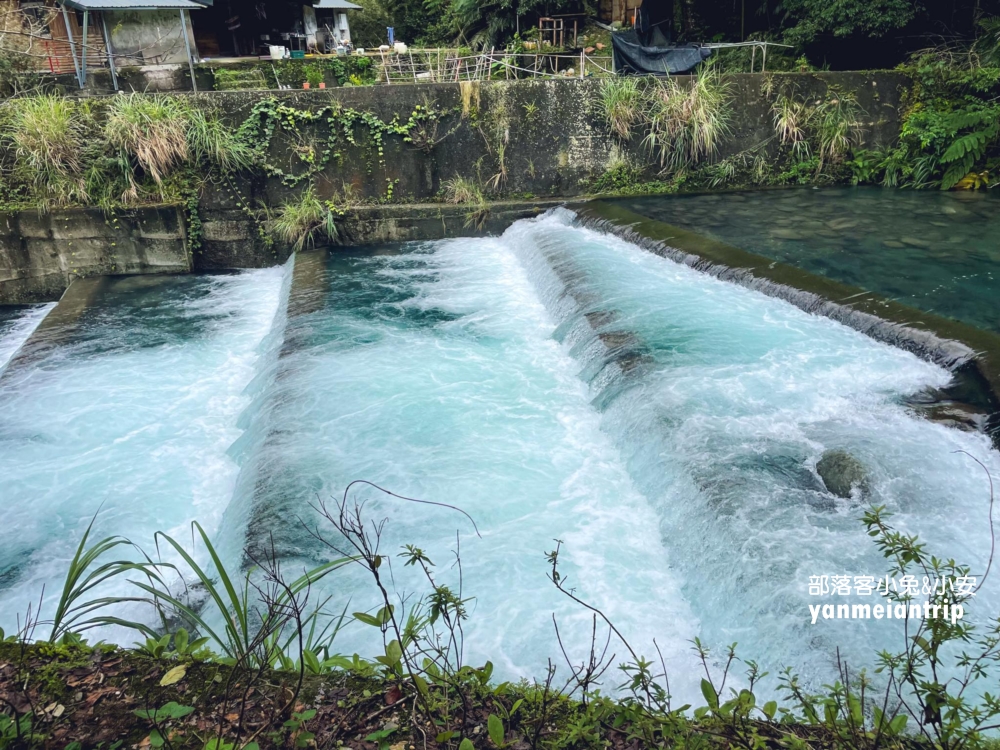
{"x":842,"y":224}
{"x":841,"y":472}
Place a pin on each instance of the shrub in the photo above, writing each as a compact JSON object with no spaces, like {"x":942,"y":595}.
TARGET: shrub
{"x":460,"y":190}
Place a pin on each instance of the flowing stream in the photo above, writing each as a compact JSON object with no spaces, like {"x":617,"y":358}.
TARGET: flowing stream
{"x":554,"y":383}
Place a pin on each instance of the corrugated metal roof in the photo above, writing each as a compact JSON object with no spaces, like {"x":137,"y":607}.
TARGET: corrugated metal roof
{"x":337,"y":5}
{"x":133,"y":4}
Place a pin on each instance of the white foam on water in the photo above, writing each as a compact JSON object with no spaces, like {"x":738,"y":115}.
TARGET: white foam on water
{"x":462,"y":372}
{"x":135,"y":428}
{"x":447,"y":386}
{"x":723,"y":432}
{"x":19,"y":329}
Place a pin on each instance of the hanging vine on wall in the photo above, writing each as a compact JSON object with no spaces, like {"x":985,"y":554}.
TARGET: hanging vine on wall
{"x":343,"y":127}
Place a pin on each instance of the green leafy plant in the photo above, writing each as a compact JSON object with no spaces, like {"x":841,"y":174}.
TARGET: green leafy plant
{"x":838,"y":125}
{"x":244,"y":624}
{"x":460,"y":190}
{"x":791,"y":118}
{"x":236,"y":79}
{"x":159,"y":718}
{"x":76,"y":612}
{"x":295,"y":730}
{"x":183,"y":646}
{"x":212,"y":141}
{"x":314,"y":75}
{"x":972,"y":133}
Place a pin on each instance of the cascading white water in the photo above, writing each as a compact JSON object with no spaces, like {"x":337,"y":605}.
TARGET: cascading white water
{"x":434,"y":373}
{"x":555,"y":383}
{"x":15,"y":328}
{"x":131,"y":415}
{"x":731,"y":399}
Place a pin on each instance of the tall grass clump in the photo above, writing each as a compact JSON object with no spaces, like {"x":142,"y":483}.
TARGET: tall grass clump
{"x":253,"y":616}
{"x":790,"y":120}
{"x":623,"y":104}
{"x":688,"y":124}
{"x":461,"y":190}
{"x":211,"y":140}
{"x":49,"y":138}
{"x":300,"y":221}
{"x":151,"y":130}
{"x":838,"y":128}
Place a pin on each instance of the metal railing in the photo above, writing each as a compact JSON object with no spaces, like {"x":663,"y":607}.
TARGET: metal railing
{"x":439,"y":66}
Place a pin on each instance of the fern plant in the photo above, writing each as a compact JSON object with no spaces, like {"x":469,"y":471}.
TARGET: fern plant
{"x":981,"y":128}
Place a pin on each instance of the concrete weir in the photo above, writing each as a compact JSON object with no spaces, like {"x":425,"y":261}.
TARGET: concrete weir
{"x":261,"y":474}
{"x":58,"y":326}
{"x":971,"y":354}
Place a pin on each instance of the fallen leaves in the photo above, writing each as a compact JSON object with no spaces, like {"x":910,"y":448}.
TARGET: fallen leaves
{"x":174,"y":676}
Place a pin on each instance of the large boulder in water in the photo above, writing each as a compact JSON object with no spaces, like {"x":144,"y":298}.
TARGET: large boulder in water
{"x":841,"y":472}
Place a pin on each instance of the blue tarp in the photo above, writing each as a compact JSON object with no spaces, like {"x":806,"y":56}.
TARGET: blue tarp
{"x":631,"y":58}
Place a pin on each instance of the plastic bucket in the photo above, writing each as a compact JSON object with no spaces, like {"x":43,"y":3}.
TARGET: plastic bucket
{"x":277,"y":52}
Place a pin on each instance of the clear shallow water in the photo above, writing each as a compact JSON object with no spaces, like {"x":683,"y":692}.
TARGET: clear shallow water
{"x":937,"y":251}
{"x":554,"y":383}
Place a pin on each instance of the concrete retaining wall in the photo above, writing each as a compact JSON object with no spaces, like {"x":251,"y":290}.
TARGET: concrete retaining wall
{"x":40,"y":254}
{"x":555,"y":143}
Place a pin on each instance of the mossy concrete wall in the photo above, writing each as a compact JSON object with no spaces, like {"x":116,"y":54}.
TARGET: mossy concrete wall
{"x":41,"y":254}
{"x":530,"y":142}
{"x":555,"y":144}
{"x":554,"y":138}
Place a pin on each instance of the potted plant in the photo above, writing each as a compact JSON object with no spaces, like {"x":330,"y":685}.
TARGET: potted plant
{"x":314,"y":77}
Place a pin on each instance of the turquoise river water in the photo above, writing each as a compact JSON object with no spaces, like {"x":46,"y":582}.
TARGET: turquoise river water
{"x":555,"y":383}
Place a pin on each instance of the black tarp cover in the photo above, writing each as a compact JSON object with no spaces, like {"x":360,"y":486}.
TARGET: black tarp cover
{"x":631,"y":58}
